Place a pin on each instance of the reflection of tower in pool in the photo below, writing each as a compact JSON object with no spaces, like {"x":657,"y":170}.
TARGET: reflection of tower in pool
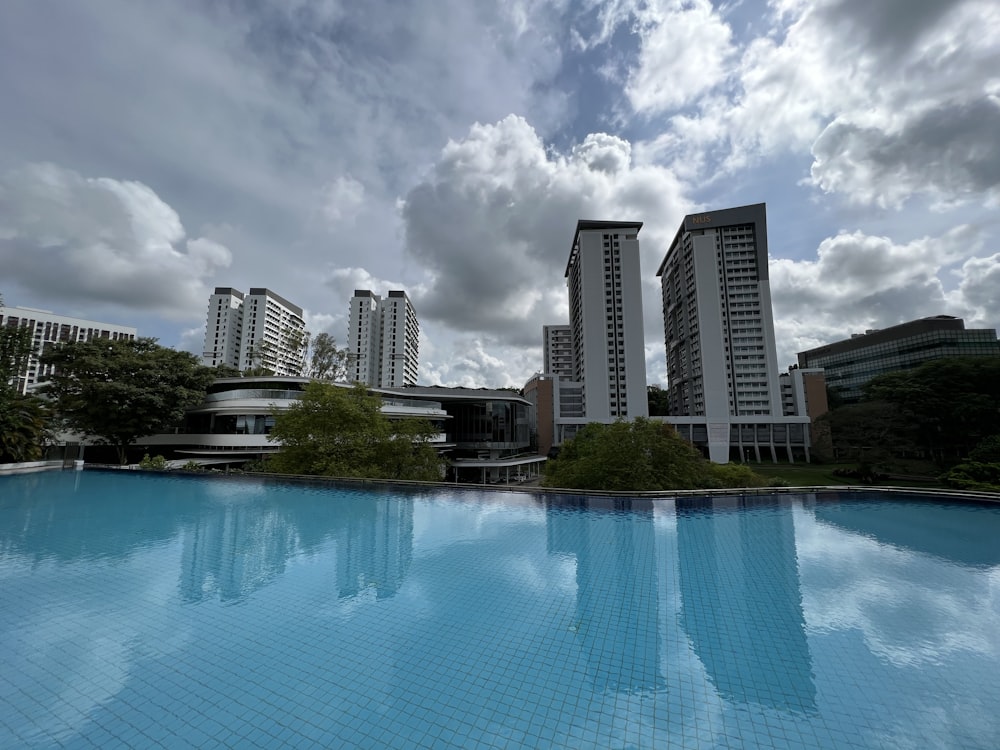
{"x":741,"y":602}
{"x":374,"y":547}
{"x":234,"y":550}
{"x":616,"y":601}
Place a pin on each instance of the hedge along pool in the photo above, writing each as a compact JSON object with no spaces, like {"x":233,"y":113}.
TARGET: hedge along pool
{"x":143,"y":610}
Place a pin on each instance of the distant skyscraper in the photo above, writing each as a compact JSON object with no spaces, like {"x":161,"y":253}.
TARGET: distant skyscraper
{"x":257,"y":330}
{"x":383,"y":340}
{"x":48,"y":329}
{"x":557,"y":351}
{"x":718,"y":325}
{"x":605,"y":308}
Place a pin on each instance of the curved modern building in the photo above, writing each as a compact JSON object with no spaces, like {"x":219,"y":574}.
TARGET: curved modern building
{"x":486,"y":434}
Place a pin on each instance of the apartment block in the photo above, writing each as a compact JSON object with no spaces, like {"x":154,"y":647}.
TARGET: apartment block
{"x":718,"y":325}
{"x":383,"y":339}
{"x":48,"y":329}
{"x":606,"y":324}
{"x":257,"y":330}
{"x":723,"y":382}
{"x":557,"y":350}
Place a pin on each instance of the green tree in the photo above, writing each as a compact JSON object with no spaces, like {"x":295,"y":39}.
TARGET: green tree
{"x":326,"y":361}
{"x":873,"y":431}
{"x":16,"y":346}
{"x":341,"y":432}
{"x":987,"y":451}
{"x":118,"y":391}
{"x":642,"y":455}
{"x":952,"y":403}
{"x":23,"y":426}
{"x":226,"y":371}
{"x":23,"y":419}
{"x":659,"y":401}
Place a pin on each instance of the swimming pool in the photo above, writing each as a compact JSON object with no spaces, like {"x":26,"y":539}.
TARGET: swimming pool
{"x":143,"y":610}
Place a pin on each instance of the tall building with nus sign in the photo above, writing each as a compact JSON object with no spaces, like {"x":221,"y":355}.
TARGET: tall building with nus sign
{"x":722,"y":369}
{"x":383,"y":340}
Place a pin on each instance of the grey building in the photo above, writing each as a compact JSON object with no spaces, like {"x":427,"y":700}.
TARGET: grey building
{"x":851,"y":363}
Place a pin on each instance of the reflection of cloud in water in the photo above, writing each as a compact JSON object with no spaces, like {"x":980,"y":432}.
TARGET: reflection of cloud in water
{"x":87,"y":648}
{"x":911,"y":608}
{"x":471,"y":516}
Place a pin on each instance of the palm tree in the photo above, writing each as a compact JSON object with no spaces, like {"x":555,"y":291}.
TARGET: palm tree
{"x":23,"y":427}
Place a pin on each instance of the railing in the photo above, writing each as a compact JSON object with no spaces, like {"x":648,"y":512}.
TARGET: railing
{"x":259,"y":393}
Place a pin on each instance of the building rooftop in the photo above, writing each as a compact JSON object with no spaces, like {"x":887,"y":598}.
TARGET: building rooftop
{"x":585,"y":225}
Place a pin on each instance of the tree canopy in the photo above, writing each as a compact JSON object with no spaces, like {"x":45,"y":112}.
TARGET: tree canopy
{"x":641,"y":455}
{"x":118,"y":391}
{"x":326,"y":360}
{"x":951,"y":404}
{"x":341,"y":432}
{"x":659,"y":401}
{"x":23,"y":419}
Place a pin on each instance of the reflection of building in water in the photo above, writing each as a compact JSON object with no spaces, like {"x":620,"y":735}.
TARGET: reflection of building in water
{"x":374,"y":547}
{"x":616,"y":601}
{"x":234,"y":551}
{"x":931,"y":528}
{"x":741,"y":603}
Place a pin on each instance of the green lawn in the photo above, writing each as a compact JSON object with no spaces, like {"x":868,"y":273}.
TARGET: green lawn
{"x":814,"y":475}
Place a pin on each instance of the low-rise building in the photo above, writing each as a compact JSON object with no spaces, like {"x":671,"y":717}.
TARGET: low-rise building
{"x":48,"y":329}
{"x":485,"y":434}
{"x":850,"y":363}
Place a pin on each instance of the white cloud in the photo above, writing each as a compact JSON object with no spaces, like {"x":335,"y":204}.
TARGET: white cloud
{"x":685,"y":46}
{"x":493,"y":223}
{"x":950,"y":152}
{"x":893,"y":99}
{"x":342,"y":199}
{"x":858,"y":282}
{"x":103,"y":241}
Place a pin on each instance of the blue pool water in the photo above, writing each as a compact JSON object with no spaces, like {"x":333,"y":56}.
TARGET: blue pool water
{"x":143,"y":610}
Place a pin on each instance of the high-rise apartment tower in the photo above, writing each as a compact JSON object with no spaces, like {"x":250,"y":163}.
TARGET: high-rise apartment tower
{"x":257,"y":330}
{"x":718,"y":326}
{"x":605,"y":310}
{"x":383,"y":340}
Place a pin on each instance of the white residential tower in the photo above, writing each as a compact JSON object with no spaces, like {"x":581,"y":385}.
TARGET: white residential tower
{"x":605,"y":308}
{"x":259,"y":330}
{"x":383,"y":340}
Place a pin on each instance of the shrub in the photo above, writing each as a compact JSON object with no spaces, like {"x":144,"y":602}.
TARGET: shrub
{"x":156,"y":462}
{"x":735,"y":475}
{"x":973,"y":475}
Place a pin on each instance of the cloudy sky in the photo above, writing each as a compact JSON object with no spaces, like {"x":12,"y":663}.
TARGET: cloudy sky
{"x":151,"y":151}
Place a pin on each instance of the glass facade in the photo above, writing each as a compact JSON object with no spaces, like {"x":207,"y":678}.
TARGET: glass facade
{"x":850,"y":364}
{"x":497,"y":425}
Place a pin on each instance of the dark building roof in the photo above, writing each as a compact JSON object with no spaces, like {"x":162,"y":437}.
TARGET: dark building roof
{"x":584,"y":225}
{"x":885,"y":335}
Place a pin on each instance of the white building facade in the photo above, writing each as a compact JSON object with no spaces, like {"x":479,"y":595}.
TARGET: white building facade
{"x":718,"y":325}
{"x":258,"y":330}
{"x":383,"y":340}
{"x":722,"y":368}
{"x":605,"y":306}
{"x":557,"y":350}
{"x":48,"y":329}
